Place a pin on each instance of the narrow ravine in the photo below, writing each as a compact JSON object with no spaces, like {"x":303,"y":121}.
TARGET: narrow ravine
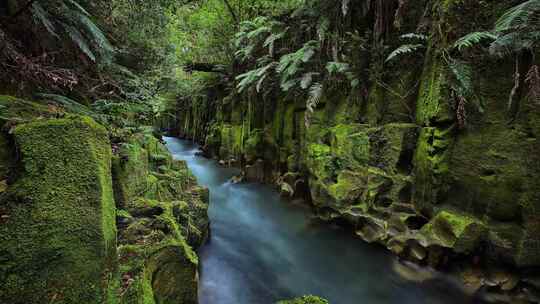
{"x":262,"y":249}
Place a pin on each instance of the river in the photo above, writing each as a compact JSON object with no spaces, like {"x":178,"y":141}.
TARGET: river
{"x":263,"y":248}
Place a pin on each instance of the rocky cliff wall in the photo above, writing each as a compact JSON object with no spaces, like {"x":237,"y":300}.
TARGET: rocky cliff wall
{"x":396,"y":164}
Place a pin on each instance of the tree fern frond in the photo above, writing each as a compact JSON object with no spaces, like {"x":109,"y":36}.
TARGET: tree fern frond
{"x":78,"y":38}
{"x":345,"y":6}
{"x":337,"y":67}
{"x":517,"y":16}
{"x":94,"y":32}
{"x":472,"y":39}
{"x":76,"y":5}
{"x":462,"y":74}
{"x":307,"y":80}
{"x":403,"y":50}
{"x":316,"y":92}
{"x":414,"y":36}
{"x":41,"y":16}
{"x":68,"y":103}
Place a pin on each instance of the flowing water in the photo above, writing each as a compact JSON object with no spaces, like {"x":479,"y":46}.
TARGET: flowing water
{"x":263,"y":249}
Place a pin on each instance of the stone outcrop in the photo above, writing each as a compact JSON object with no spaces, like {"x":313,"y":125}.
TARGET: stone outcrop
{"x":81,"y":224}
{"x":58,"y":233}
{"x":163,"y":216}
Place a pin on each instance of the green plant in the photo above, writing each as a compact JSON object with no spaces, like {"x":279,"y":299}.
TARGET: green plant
{"x":69,"y":18}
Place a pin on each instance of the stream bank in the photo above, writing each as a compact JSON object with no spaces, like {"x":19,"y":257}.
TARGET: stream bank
{"x":262,"y":249}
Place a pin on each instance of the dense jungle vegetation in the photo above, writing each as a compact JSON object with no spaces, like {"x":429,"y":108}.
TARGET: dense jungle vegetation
{"x":414,"y":124}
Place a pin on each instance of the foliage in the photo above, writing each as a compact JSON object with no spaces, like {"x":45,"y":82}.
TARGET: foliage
{"x":69,"y":18}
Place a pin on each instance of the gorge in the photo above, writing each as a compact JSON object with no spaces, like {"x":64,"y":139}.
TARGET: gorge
{"x":260,"y":151}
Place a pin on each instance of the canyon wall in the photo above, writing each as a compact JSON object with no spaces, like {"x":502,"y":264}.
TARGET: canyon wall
{"x":396,"y":163}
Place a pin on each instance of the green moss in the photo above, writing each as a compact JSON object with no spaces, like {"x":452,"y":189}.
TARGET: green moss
{"x":454,"y":230}
{"x":130,"y":171}
{"x":305,"y":300}
{"x":59,"y":244}
{"x":232,"y":141}
{"x":13,"y":108}
{"x":321,"y":162}
{"x":431,"y":160}
{"x":350,"y":143}
{"x":432,"y":105}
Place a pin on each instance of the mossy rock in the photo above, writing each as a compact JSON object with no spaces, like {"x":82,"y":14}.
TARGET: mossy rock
{"x":17,"y":109}
{"x":305,"y":300}
{"x":460,"y":232}
{"x":59,"y":242}
{"x":130,"y":171}
{"x":173,"y":275}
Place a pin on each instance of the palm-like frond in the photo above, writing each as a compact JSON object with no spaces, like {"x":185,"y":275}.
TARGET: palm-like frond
{"x":414,"y":36}
{"x":403,"y":50}
{"x":41,"y":16}
{"x":519,"y":16}
{"x":69,"y":18}
{"x":472,"y":39}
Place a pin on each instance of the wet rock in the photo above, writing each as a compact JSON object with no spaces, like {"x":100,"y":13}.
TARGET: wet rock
{"x":286,"y":190}
{"x":453,"y":230}
{"x":237,"y":179}
{"x":417,"y":252}
{"x":255,"y":172}
{"x":412,"y":272}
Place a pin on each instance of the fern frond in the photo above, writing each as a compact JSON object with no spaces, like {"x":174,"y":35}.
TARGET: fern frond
{"x":518,"y":16}
{"x":462,"y":74}
{"x":403,"y":50}
{"x":316,"y":92}
{"x":41,"y":16}
{"x":472,"y":39}
{"x":68,"y":103}
{"x":94,"y":32}
{"x":78,"y":38}
{"x":79,"y":7}
{"x":414,"y":36}
{"x":307,"y":79}
{"x":337,"y":67}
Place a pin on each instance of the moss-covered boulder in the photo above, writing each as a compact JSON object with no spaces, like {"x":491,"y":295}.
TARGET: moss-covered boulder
{"x":59,"y":237}
{"x":130,"y":172}
{"x":462,"y":233}
{"x":305,"y":300}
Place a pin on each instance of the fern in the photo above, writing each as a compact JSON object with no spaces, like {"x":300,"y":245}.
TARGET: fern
{"x":337,"y":67}
{"x":67,"y":103}
{"x":257,"y":75}
{"x":307,"y":80}
{"x":40,"y":15}
{"x":519,"y":16}
{"x":404,"y":50}
{"x":291,"y":64}
{"x":69,"y":18}
{"x":78,"y":38}
{"x":414,"y":36}
{"x":472,"y":39}
{"x":315,"y":94}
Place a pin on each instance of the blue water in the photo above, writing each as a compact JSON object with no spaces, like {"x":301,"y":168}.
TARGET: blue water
{"x":263,"y":249}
